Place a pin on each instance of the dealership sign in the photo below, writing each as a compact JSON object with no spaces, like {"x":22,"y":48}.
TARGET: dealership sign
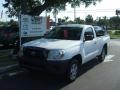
{"x":32,"y":26}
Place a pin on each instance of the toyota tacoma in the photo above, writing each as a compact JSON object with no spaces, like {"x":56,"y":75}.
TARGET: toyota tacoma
{"x":64,"y":49}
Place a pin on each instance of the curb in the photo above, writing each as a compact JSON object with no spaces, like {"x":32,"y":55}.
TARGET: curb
{"x":5,"y":50}
{"x":8,"y":68}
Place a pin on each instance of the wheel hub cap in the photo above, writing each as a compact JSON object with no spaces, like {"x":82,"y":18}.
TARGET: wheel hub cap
{"x":73,"y":71}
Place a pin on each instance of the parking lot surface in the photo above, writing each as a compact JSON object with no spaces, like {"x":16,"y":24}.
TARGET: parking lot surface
{"x":93,"y":76}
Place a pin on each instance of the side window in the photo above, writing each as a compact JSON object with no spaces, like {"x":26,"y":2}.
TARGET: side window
{"x":89,"y":34}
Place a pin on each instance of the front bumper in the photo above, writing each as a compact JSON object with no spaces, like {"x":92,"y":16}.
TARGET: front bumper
{"x":52,"y":66}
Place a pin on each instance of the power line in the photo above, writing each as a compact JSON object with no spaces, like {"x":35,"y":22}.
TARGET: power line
{"x":92,"y":11}
{"x":97,"y":9}
{"x":87,"y":11}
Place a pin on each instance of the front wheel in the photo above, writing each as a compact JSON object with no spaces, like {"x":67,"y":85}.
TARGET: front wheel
{"x":101,"y":57}
{"x":72,"y":71}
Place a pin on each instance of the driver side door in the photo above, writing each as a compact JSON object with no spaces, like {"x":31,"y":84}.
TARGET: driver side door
{"x":90,"y":44}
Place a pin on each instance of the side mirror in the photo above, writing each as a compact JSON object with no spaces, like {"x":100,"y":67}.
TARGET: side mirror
{"x":89,"y":37}
{"x":100,"y":33}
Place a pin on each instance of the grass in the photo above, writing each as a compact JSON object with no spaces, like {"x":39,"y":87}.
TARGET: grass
{"x":114,"y":34}
{"x":5,"y":59}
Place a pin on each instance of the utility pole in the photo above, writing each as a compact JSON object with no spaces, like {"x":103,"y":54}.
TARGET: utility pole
{"x":55,"y":16}
{"x":74,"y":9}
{"x":74,"y":12}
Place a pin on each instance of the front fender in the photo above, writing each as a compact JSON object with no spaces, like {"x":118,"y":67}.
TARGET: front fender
{"x":71,"y":52}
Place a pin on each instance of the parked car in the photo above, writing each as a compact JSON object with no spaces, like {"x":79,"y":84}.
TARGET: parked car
{"x":100,"y":31}
{"x":9,"y":35}
{"x":64,"y":49}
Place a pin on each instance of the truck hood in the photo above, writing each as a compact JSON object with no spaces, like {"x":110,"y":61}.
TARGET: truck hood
{"x":52,"y":43}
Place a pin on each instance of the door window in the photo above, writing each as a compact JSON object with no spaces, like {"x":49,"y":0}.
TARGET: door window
{"x":89,"y":34}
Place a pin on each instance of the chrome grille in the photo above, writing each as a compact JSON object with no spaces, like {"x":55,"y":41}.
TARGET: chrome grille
{"x":35,"y":52}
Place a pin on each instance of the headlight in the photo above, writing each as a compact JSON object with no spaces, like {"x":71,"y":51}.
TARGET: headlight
{"x":56,"y":54}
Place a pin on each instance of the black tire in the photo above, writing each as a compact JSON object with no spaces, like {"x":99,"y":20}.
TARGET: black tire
{"x":101,"y":57}
{"x":72,"y":70}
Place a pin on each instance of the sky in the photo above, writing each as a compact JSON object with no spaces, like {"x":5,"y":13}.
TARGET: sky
{"x":104,"y":8}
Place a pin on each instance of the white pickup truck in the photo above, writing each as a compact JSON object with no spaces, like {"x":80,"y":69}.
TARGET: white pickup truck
{"x":65,"y":48}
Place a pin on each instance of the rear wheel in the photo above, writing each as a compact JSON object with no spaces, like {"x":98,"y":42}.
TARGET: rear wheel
{"x":101,"y":57}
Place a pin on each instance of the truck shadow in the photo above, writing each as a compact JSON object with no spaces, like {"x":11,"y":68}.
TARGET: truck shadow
{"x":39,"y":80}
{"x":89,"y":65}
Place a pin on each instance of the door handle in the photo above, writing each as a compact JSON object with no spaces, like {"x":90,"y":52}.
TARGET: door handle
{"x":95,"y":42}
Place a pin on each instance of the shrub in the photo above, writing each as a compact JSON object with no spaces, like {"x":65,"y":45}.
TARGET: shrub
{"x":117,"y":33}
{"x":110,"y":32}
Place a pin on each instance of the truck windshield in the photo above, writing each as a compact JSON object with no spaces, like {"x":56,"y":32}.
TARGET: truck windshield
{"x":67,"y":33}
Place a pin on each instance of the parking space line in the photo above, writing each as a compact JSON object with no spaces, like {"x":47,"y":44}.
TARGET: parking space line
{"x":108,"y":58}
{"x":15,"y":73}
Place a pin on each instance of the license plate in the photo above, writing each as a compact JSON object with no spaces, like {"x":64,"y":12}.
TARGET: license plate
{"x":33,"y":53}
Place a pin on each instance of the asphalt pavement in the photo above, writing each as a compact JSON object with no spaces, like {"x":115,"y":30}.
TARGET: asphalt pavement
{"x":93,"y":76}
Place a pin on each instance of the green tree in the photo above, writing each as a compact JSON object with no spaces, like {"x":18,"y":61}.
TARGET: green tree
{"x":66,"y":18}
{"x":70,"y":22}
{"x":13,"y":23}
{"x":115,"y":22}
{"x":36,"y":7}
{"x":63,"y":20}
{"x":103,"y":21}
{"x":89,"y":19}
{"x":3,"y":23}
{"x":79,"y":21}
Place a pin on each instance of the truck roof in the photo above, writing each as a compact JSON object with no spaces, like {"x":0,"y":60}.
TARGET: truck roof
{"x":74,"y":25}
